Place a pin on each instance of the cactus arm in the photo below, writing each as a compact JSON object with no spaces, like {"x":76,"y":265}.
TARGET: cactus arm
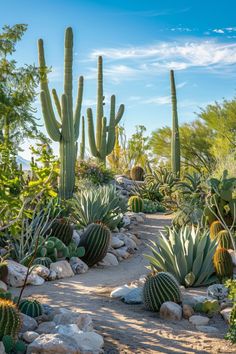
{"x":119,"y":114}
{"x":66,"y":129}
{"x":175,"y":143}
{"x":103,"y":149}
{"x":111,"y":127}
{"x":56,"y":101}
{"x":44,"y":84}
{"x":78,"y":107}
{"x":51,"y":125}
{"x":91,"y":135}
{"x":82,"y":144}
{"x":68,"y":68}
{"x":100,"y":99}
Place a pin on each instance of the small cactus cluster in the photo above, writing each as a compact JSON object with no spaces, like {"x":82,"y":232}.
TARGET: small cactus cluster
{"x":208,"y":306}
{"x":160,"y":288}
{"x":61,"y":229}
{"x":96,"y":240}
{"x":31,"y":308}
{"x":44,"y":261}
{"x":12,"y":346}
{"x":136,"y":204}
{"x":53,"y":248}
{"x":137,"y":173}
{"x":9,"y":319}
{"x":75,"y":251}
{"x":223,"y":263}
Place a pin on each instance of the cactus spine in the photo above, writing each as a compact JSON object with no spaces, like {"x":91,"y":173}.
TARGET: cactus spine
{"x":103,"y":144}
{"x":175,"y":142}
{"x":65,"y":132}
{"x":82,"y":143}
{"x":160,"y":288}
{"x":9,"y":319}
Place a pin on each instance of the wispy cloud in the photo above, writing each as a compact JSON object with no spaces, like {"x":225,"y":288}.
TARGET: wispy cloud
{"x":181,"y":84}
{"x":159,"y":100}
{"x":224,"y":30}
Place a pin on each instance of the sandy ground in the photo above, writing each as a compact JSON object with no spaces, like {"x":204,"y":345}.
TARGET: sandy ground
{"x":130,"y":328}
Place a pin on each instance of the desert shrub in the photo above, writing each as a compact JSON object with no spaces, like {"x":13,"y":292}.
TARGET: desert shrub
{"x":150,"y":206}
{"x":99,"y":205}
{"x":187,"y":253}
{"x":148,"y":191}
{"x":98,"y":174}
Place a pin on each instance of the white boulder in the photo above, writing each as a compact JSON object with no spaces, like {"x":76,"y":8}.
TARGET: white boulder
{"x":62,"y":269}
{"x":171,"y":311}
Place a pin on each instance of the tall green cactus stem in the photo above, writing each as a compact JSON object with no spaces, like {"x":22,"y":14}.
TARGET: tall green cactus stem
{"x":66,"y":132}
{"x":104,"y":142}
{"x":82,"y":143}
{"x":175,"y":142}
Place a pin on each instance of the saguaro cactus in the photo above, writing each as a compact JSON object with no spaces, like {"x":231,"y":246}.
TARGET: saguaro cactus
{"x":82,"y":143}
{"x":103,"y":144}
{"x":66,"y":132}
{"x":175,"y":143}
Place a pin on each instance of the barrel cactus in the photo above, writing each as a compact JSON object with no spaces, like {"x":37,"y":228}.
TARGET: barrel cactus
{"x":95,"y":240}
{"x":9,"y":319}
{"x":31,"y":308}
{"x":215,"y":228}
{"x":160,"y":288}
{"x":137,"y":173}
{"x":223,"y":263}
{"x":12,"y":346}
{"x":224,"y":240}
{"x":62,"y":229}
{"x":136,"y":204}
{"x":44,"y":261}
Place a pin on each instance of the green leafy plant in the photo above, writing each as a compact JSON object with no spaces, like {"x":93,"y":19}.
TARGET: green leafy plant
{"x":150,"y":206}
{"x":97,"y":173}
{"x":187,"y":253}
{"x":102,"y":204}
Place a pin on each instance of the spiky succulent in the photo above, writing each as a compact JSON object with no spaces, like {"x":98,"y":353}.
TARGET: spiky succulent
{"x":9,"y":319}
{"x":31,"y":308}
{"x":136,"y":204}
{"x":187,"y":253}
{"x":223,"y":263}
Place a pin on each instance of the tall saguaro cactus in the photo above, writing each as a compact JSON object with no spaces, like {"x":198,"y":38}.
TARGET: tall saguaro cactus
{"x":82,"y":143}
{"x":175,"y":142}
{"x":65,"y":131}
{"x":103,"y":144}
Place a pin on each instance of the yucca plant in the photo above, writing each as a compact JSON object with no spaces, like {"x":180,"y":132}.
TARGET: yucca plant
{"x":187,"y":253}
{"x":101,"y":204}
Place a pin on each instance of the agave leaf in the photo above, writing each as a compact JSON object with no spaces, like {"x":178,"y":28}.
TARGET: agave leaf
{"x":189,"y":279}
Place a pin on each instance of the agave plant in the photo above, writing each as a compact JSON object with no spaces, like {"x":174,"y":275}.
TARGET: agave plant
{"x":191,"y":184}
{"x":187,"y":253}
{"x":99,"y":205}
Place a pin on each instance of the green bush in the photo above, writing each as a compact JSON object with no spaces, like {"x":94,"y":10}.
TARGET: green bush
{"x":151,"y":207}
{"x":98,"y":174}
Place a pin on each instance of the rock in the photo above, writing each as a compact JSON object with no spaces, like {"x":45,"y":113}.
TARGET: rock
{"x":135,"y":296}
{"x":76,"y":237}
{"x":30,"y":336}
{"x":135,"y":239}
{"x":3,"y":286}
{"x":68,"y":330}
{"x":109,"y":260}
{"x":226,"y":314}
{"x":53,"y":343}
{"x":62,"y":269}
{"x":129,"y":243}
{"x":122,"y":291}
{"x":233,"y":256}
{"x":89,"y":342}
{"x":85,"y":323}
{"x":52,"y":275}
{"x":17,"y":273}
{"x":198,"y":320}
{"x":64,"y":317}
{"x":171,"y":311}
{"x":78,"y":266}
{"x":2,"y":348}
{"x":27,"y":323}
{"x":226,"y":303}
{"x":126,"y":220}
{"x":188,"y":311}
{"x":123,"y":252}
{"x":41,"y":270}
{"x":207,"y":329}
{"x":46,"y":327}
{"x":49,"y":311}
{"x":140,"y":282}
{"x":116,"y":242}
{"x":217,"y":291}
{"x":191,"y":300}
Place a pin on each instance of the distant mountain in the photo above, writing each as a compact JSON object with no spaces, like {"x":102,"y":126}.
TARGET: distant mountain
{"x":25,"y":163}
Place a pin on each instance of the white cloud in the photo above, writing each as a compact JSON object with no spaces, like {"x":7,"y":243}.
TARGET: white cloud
{"x":181,"y":84}
{"x":159,"y":100}
{"x":221,"y":31}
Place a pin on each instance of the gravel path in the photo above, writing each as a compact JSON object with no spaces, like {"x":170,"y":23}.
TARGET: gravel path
{"x":129,"y":328}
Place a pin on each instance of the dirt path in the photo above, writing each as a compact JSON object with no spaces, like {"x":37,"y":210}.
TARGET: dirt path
{"x":129,"y":328}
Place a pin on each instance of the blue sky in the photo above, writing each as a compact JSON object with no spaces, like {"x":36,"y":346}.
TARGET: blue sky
{"x":140,"y":42}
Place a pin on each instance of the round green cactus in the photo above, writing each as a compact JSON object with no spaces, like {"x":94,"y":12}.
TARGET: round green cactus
{"x":31,"y":308}
{"x":45,"y":261}
{"x":224,"y":240}
{"x":62,"y":230}
{"x":160,"y":288}
{"x":95,"y":240}
{"x":137,"y":173}
{"x":136,"y":204}
{"x":9,"y":319}
{"x":223,"y":263}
